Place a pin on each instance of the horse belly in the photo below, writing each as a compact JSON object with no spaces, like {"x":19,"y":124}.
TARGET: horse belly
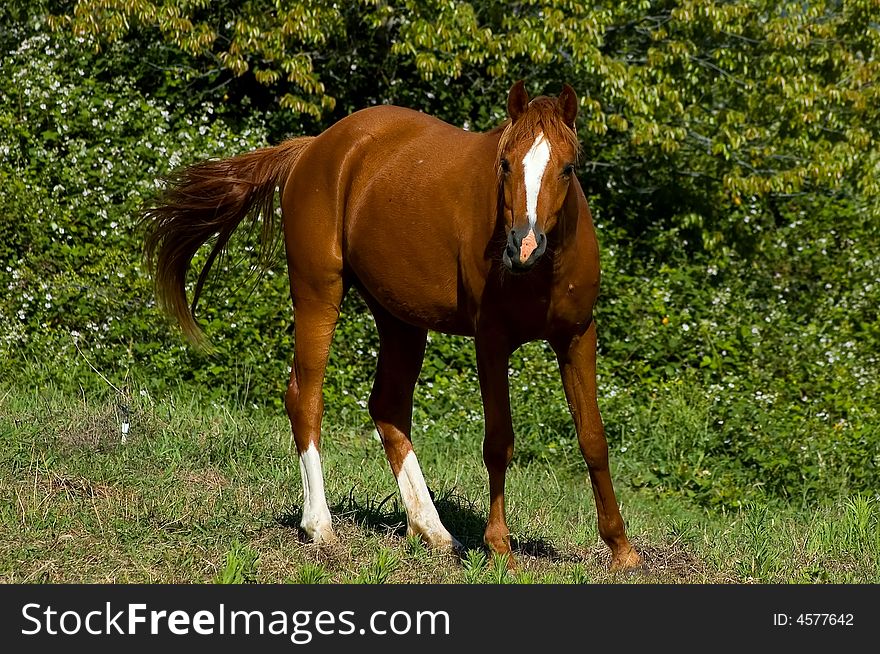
{"x":413,"y":282}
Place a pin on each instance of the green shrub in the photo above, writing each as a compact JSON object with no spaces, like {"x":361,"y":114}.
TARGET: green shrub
{"x":725,"y":372}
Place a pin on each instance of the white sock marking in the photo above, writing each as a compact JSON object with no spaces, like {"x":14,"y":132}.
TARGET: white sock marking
{"x":534,"y":165}
{"x":316,"y":514}
{"x":421,"y":513}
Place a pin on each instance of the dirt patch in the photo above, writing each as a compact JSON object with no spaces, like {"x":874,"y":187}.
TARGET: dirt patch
{"x":93,"y":427}
{"x":72,"y":486}
{"x":209,"y":479}
{"x":665,"y":563}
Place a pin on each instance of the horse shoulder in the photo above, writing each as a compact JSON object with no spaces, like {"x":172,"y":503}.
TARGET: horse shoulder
{"x":578,"y":275}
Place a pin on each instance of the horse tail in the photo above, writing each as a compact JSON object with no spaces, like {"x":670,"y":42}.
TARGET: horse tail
{"x":206,"y":201}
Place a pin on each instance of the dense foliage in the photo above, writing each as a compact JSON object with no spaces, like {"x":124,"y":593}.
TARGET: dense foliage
{"x":730,"y":157}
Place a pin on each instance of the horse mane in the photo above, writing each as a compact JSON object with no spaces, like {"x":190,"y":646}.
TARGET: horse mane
{"x":542,"y":115}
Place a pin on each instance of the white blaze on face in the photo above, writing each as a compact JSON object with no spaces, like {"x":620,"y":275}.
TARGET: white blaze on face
{"x":534,"y":165}
{"x":421,"y":514}
{"x":316,"y":514}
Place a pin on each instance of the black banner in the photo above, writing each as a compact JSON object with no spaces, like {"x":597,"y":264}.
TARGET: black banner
{"x":434,"y":618}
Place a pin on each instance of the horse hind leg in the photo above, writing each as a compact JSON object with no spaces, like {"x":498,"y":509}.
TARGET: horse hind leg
{"x":314,"y":326}
{"x":401,"y":350}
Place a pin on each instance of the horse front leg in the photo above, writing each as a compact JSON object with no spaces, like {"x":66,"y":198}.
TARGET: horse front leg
{"x":577,"y":363}
{"x":492,"y":361}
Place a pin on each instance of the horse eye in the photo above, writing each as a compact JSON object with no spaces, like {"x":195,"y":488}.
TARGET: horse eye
{"x":568,"y":171}
{"x":505,"y":165}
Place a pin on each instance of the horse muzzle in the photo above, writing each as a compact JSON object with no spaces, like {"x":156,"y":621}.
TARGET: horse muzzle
{"x":524,"y":248}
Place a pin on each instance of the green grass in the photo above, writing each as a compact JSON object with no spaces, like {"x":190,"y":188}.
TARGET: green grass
{"x":208,"y":493}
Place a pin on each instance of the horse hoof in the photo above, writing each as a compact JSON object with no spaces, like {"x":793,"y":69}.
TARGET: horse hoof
{"x":451,"y":546}
{"x":326,"y":540}
{"x":437,"y":539}
{"x":319,"y":535}
{"x":629,"y":562}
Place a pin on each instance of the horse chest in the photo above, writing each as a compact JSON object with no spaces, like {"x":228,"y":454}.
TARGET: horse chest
{"x":533,"y":308}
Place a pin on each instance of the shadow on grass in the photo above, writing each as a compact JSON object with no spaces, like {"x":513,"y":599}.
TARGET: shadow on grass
{"x":386,"y":516}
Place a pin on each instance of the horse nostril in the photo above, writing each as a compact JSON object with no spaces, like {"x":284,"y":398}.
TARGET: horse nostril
{"x":513,"y":241}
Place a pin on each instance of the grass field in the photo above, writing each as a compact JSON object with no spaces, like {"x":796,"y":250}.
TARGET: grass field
{"x":205,"y":493}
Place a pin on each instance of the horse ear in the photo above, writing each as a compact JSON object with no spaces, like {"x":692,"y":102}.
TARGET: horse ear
{"x":517,"y":100}
{"x":568,"y":105}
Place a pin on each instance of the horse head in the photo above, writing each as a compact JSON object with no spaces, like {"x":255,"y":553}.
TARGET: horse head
{"x":536,"y":160}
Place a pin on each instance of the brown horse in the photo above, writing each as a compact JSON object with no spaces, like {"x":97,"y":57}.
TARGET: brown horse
{"x":480,"y":234}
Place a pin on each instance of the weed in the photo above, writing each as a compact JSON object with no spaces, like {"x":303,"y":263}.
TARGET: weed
{"x":241,"y":565}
